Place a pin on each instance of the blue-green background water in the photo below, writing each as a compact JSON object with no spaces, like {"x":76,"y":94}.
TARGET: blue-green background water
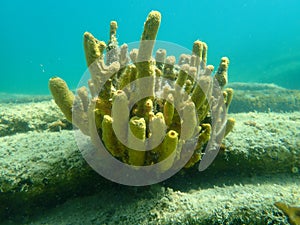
{"x":40,"y":39}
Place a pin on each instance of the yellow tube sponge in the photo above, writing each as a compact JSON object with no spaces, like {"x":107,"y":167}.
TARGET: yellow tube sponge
{"x":83,"y":95}
{"x":147,"y":107}
{"x":193,"y":160}
{"x":204,"y":55}
{"x":120,"y":115}
{"x":182,"y":75}
{"x":109,"y":138}
{"x":204,"y":135}
{"x":63,"y":97}
{"x":145,"y":68}
{"x":149,"y":35}
{"x":127,"y":77}
{"x":229,"y":92}
{"x":157,"y":127}
{"x":136,"y":139}
{"x":292,"y":212}
{"x":169,"y":109}
{"x":201,"y":90}
{"x":168,"y":151}
{"x":229,"y":126}
{"x":93,"y":48}
{"x":94,"y":122}
{"x":221,"y":74}
{"x":107,"y":134}
{"x":160,"y":58}
{"x":168,"y":71}
{"x":112,"y":53}
{"x":189,"y":121}
{"x":197,"y":51}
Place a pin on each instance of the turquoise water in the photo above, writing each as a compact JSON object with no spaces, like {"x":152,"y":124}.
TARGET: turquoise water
{"x":40,"y":39}
{"x":45,"y":166}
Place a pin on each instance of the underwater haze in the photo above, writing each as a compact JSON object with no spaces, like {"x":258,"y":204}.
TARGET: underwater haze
{"x":157,"y":141}
{"x":41,"y":39}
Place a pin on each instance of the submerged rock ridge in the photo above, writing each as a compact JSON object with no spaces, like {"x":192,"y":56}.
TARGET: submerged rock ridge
{"x":145,"y":108}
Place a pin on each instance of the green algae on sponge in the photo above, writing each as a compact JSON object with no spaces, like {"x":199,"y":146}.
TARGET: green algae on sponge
{"x":142,"y":100}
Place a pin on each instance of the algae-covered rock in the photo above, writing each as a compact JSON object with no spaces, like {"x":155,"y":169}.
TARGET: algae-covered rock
{"x":231,"y":201}
{"x":43,"y":168}
{"x":263,"y":98}
{"x":31,"y":116}
{"x":262,"y":142}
